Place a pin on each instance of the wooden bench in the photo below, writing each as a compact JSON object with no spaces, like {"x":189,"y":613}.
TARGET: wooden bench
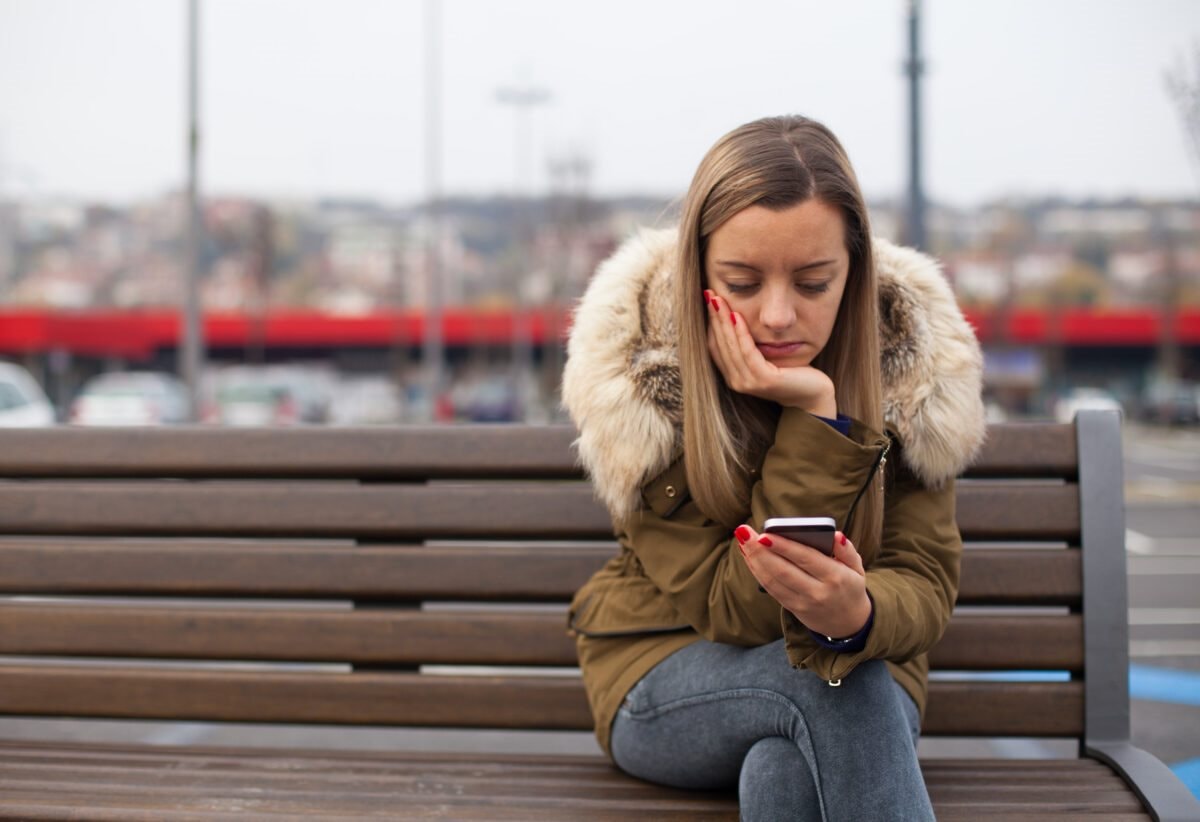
{"x":123,"y":554}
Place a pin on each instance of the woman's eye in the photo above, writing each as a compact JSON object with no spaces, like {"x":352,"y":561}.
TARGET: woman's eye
{"x":740,"y":288}
{"x":813,"y":288}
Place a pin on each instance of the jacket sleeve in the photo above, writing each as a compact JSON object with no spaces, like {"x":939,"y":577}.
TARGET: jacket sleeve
{"x":913,"y":581}
{"x":809,"y":470}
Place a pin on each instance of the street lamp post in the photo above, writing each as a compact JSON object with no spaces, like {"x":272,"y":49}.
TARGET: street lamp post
{"x":523,"y":99}
{"x":191,"y":353}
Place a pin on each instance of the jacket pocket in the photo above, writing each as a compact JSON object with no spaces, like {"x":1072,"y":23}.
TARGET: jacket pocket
{"x":622,"y":606}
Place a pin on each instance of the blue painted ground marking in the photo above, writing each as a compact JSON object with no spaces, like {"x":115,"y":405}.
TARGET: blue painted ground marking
{"x":1189,"y":773}
{"x":1164,"y":685}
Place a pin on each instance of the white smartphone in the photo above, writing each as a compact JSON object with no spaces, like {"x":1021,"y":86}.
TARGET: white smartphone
{"x":816,"y":532}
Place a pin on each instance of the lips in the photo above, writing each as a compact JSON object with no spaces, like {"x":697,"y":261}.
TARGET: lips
{"x":778,"y":350}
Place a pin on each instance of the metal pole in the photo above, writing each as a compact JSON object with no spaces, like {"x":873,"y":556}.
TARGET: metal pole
{"x":191,"y":352}
{"x":914,"y":68}
{"x":434,"y":345}
{"x":523,"y":99}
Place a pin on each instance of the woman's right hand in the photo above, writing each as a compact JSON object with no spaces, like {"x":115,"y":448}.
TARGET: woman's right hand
{"x":747,"y":371}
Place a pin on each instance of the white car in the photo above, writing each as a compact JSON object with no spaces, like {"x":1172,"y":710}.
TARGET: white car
{"x":131,"y":398}
{"x":23,"y":403}
{"x":1085,"y":399}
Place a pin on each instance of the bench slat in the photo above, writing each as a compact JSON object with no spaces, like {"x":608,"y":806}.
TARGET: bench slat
{"x":1012,"y":789}
{"x":1041,"y":709}
{"x":529,"y":572}
{"x":61,"y":774}
{"x":410,"y":452}
{"x":513,"y":510}
{"x":443,"y":637}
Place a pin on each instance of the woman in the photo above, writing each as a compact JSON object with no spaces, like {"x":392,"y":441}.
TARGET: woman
{"x":769,"y":358}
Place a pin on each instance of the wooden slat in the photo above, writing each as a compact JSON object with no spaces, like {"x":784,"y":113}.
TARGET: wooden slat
{"x":529,"y":572}
{"x":463,"y":637}
{"x":1028,"y":449}
{"x":410,"y":452}
{"x":1021,"y":576}
{"x":990,"y":643}
{"x":301,"y":509}
{"x":1013,"y":709}
{"x":61,"y":774}
{"x":406,"y":452}
{"x":509,"y":510}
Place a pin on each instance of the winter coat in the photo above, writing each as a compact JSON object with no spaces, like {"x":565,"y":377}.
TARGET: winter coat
{"x":679,"y":576}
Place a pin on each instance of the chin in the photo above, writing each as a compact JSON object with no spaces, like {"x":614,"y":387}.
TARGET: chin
{"x":794,"y":361}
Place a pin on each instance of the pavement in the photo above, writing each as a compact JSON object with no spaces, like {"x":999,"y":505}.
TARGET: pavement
{"x":1162,"y":481}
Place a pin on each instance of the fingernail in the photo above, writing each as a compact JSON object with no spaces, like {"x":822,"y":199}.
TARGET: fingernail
{"x":734,"y":318}
{"x":716,"y":306}
{"x":765,"y":540}
{"x":844,"y":539}
{"x":742,"y":533}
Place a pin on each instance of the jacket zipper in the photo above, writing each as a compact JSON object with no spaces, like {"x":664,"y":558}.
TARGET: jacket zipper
{"x":880,"y":464}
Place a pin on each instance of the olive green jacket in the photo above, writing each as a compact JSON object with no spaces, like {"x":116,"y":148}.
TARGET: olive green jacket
{"x":680,"y":577}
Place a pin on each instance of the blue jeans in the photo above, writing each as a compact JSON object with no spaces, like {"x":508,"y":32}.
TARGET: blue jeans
{"x":715,"y":716}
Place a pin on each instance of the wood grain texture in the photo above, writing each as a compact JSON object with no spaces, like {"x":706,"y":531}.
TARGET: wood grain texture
{"x":517,"y":572}
{"x":42,"y":780}
{"x":517,"y":510}
{"x":404,"y":637}
{"x":405,"y":453}
{"x":497,"y":701}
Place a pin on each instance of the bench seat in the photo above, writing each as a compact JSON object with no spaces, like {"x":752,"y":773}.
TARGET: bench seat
{"x":418,"y":578}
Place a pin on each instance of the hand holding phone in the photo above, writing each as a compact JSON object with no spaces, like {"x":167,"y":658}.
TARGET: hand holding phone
{"x":817,"y":532}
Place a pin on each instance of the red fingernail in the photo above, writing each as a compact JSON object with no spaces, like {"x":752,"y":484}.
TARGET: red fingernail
{"x":764,"y":540}
{"x":734,"y":318}
{"x":716,"y":306}
{"x":742,"y":533}
{"x":843,"y":539}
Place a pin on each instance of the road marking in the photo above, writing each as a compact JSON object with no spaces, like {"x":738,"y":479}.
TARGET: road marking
{"x":1164,"y":616}
{"x":1162,"y":566}
{"x":1138,"y":543}
{"x":1142,"y":648}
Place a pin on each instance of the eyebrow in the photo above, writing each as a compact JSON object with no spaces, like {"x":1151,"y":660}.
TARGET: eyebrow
{"x":797,"y":270}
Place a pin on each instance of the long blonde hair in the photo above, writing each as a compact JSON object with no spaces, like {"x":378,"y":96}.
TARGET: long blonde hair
{"x":776,"y":162}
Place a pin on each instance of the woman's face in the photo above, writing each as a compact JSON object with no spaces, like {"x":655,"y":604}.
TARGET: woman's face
{"x":783,"y":271}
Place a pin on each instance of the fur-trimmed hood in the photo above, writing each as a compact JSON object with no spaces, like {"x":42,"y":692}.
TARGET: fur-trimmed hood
{"x":621,"y":383}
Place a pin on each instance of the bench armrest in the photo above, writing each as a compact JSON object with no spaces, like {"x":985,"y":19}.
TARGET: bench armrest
{"x":1161,"y":791}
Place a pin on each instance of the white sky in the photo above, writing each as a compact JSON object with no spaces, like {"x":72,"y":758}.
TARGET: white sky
{"x":307,"y":97}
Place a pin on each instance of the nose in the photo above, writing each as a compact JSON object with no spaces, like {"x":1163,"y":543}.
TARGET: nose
{"x":777,"y":312}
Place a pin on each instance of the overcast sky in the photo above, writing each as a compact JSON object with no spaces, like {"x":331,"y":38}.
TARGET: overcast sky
{"x":326,"y":97}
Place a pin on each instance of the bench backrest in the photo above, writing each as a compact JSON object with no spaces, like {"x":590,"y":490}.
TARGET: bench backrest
{"x":418,"y":576}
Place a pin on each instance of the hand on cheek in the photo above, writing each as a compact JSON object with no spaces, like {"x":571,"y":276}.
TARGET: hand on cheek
{"x":747,"y":371}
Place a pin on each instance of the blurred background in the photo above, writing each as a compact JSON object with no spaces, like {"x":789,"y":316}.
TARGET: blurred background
{"x":352,"y":212}
{"x":389,"y":208}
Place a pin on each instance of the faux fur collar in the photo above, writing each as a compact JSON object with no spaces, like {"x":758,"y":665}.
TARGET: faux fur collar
{"x":622,"y":389}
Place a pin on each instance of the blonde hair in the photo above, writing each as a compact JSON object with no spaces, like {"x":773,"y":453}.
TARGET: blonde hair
{"x":776,"y":162}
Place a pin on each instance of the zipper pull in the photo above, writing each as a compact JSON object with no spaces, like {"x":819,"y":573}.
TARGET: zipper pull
{"x":887,"y":446}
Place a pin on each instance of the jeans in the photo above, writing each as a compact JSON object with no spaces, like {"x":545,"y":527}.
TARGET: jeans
{"x":713,"y":716}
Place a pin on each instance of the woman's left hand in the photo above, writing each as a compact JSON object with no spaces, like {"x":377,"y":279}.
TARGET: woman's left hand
{"x":827,"y":594}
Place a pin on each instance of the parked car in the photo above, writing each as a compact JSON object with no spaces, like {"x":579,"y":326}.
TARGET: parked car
{"x":1085,"y":399}
{"x":1172,"y":403}
{"x":275,"y":395}
{"x":23,"y":403}
{"x":366,"y":401}
{"x":131,"y":398}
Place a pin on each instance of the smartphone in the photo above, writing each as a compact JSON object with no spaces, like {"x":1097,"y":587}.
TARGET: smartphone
{"x":816,"y":532}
